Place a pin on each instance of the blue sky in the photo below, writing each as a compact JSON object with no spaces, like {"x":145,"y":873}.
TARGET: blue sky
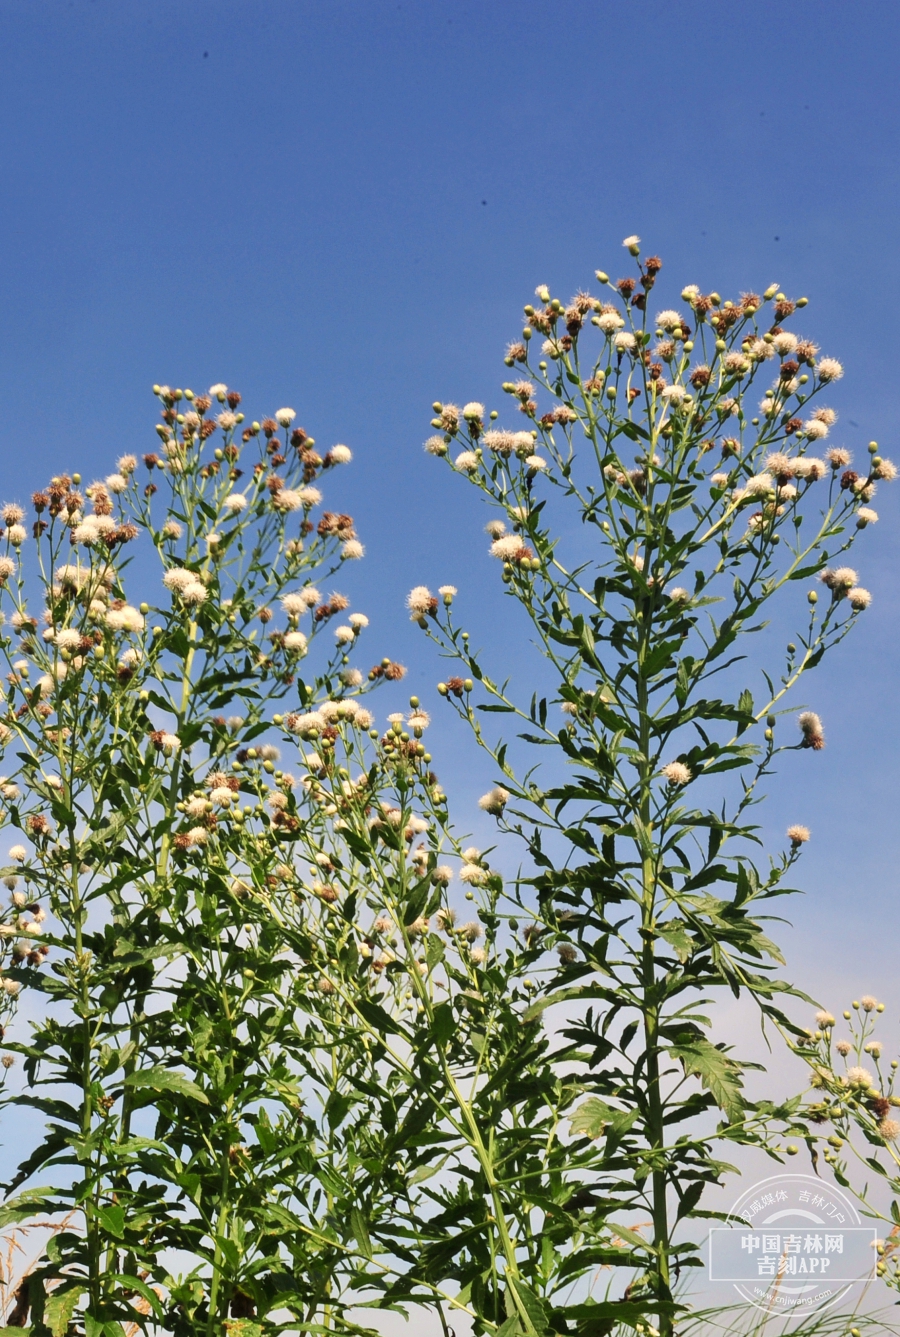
{"x":343,"y":207}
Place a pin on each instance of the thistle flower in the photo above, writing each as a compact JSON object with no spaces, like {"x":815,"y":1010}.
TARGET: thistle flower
{"x":889,"y":1129}
{"x":838,"y":458}
{"x":814,"y":429}
{"x":495,"y":801}
{"x":811,"y":727}
{"x":12,"y":514}
{"x":609,"y":321}
{"x":473,"y":411}
{"x":631,"y":241}
{"x":886,"y":470}
{"x":868,"y":1003}
{"x":343,"y":635}
{"x":18,"y":853}
{"x":500,"y":442}
{"x":194,"y":593}
{"x":858,"y":598}
{"x":419,"y":601}
{"x":495,"y":529}
{"x":676,"y":773}
{"x":352,"y":550}
{"x":625,"y":341}
{"x":340,"y":454}
{"x":17,"y":534}
{"x":235,"y":502}
{"x":436,"y":445}
{"x":874,"y":1047}
{"x":719,"y":480}
{"x":442,"y":875}
{"x":866,"y":516}
{"x":785,"y":343}
{"x":473,"y":874}
{"x":535,"y":463}
{"x":843,"y":1047}
{"x":358,"y":620}
{"x":829,"y":369}
{"x":284,"y":417}
{"x":419,"y":719}
{"x":295,"y":642}
{"x":859,"y":1077}
{"x":506,"y":547}
{"x":825,"y":1020}
{"x":839,"y":580}
{"x":466,"y":462}
{"x":669,"y":320}
{"x":798,"y":835}
{"x":447,"y":592}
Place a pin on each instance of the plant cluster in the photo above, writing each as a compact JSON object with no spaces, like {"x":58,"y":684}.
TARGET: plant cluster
{"x":289,"y":1071}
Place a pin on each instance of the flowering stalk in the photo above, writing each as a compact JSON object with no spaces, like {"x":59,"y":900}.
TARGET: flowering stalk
{"x":641,"y":872}
{"x":131,"y":764}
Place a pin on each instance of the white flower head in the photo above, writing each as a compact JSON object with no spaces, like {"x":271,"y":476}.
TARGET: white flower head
{"x":284,"y":417}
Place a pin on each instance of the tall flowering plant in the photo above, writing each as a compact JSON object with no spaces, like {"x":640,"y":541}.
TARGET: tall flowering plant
{"x":199,"y":1116}
{"x":669,"y":480}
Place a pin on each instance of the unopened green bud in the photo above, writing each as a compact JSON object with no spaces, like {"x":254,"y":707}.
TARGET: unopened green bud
{"x":468,"y":684}
{"x":144,"y":609}
{"x":803,"y":301}
{"x":791,"y":1149}
{"x":770,"y":291}
{"x":442,"y":689}
{"x":601,"y":277}
{"x":771,"y":721}
{"x":812,"y":597}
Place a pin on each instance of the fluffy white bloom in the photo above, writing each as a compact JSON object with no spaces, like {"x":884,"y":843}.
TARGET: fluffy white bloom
{"x":418,"y":601}
{"x":343,"y":635}
{"x":295,"y":642}
{"x":506,"y":547}
{"x":17,"y":534}
{"x":310,"y":496}
{"x":194,"y":593}
{"x":116,"y":483}
{"x":352,"y":550}
{"x":473,"y":410}
{"x":815,"y":429}
{"x":495,"y":801}
{"x":609,"y":322}
{"x":675,"y":393}
{"x":235,"y":502}
{"x":676,"y":773}
{"x":284,"y":417}
{"x":535,"y":463}
{"x":68,"y":638}
{"x":785,"y":343}
{"x":669,"y":320}
{"x":18,"y":853}
{"x":467,"y":461}
{"x":126,"y":619}
{"x":625,"y":341}
{"x":226,"y":421}
{"x":473,"y":874}
{"x":287,"y":499}
{"x":358,"y":620}
{"x":340,"y":454}
{"x":829,"y":369}
{"x":177,"y":578}
{"x":631,"y":241}
{"x":218,"y":389}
